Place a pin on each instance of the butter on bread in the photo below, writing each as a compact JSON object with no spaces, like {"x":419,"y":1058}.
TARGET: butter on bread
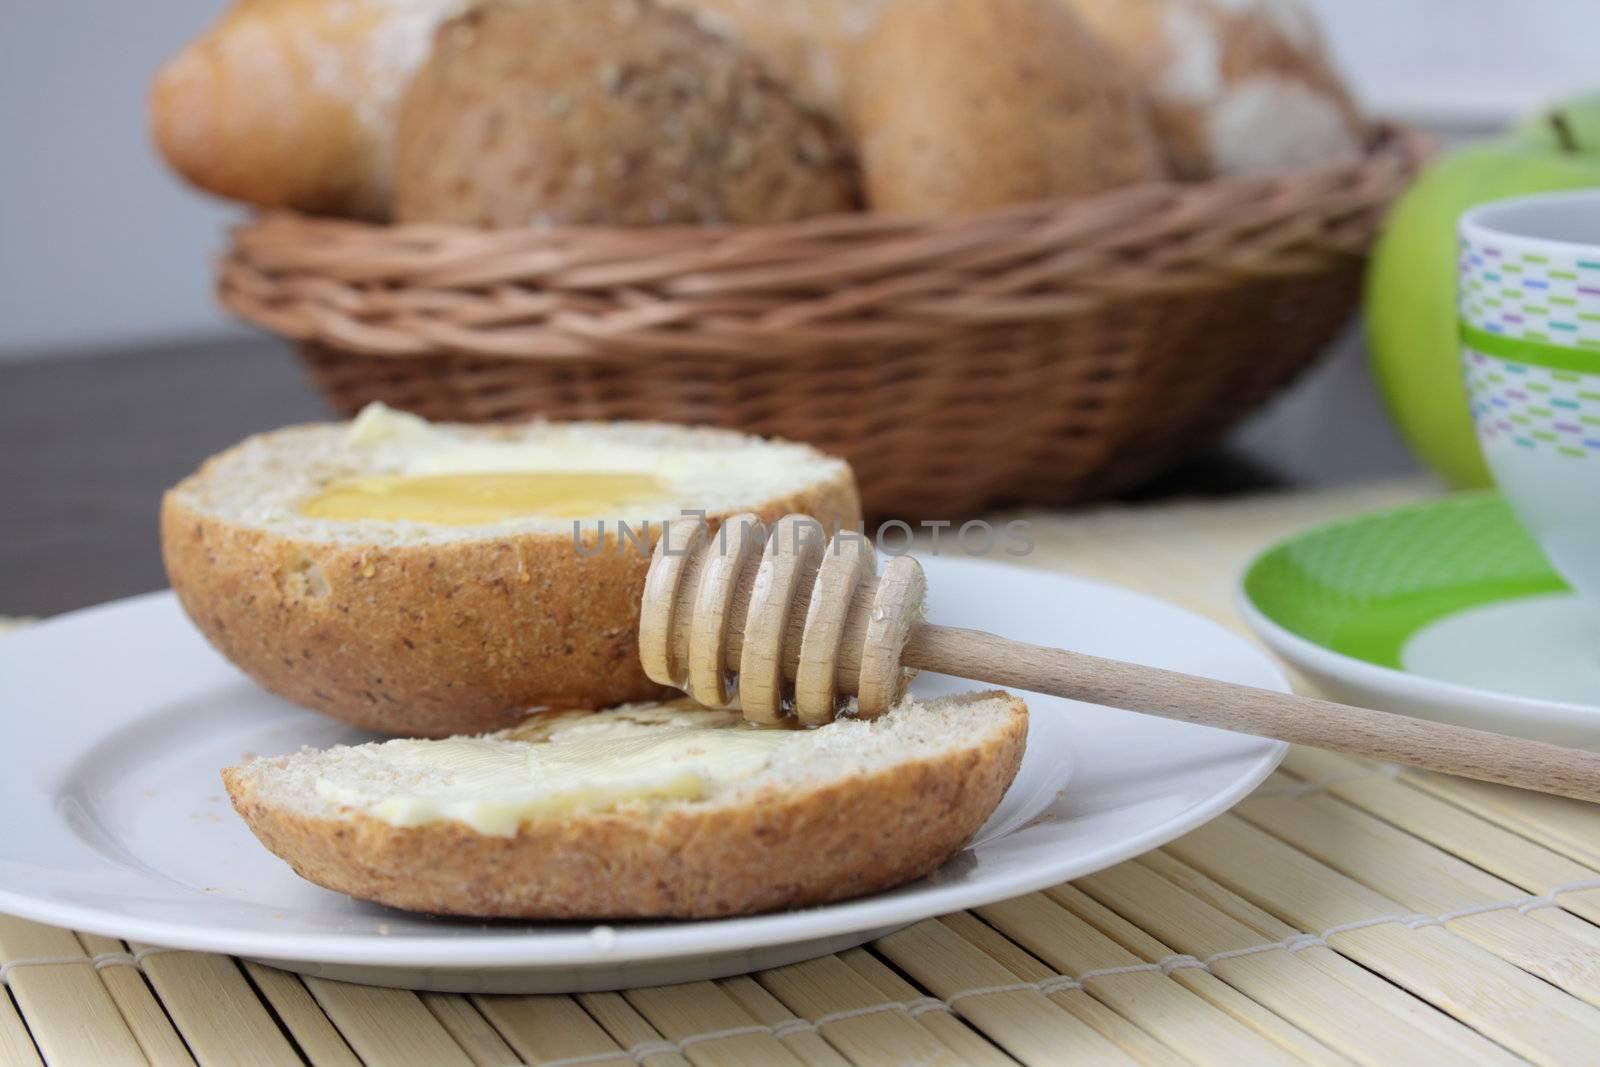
{"x":1236,"y":86}
{"x":292,"y":103}
{"x":799,"y":818}
{"x":963,"y":105}
{"x":610,"y":112}
{"x":432,"y":628}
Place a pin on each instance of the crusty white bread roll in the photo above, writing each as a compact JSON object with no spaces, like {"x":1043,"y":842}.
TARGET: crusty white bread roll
{"x":637,"y":813}
{"x":1237,"y":86}
{"x":617,"y":113}
{"x":291,"y":103}
{"x":432,"y":628}
{"x":963,"y":105}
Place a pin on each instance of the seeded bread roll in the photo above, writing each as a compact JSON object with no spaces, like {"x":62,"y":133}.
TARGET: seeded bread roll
{"x":807,"y":43}
{"x":963,"y":105}
{"x":426,"y":629}
{"x":1237,"y":86}
{"x":607,"y":112}
{"x":850,"y":808}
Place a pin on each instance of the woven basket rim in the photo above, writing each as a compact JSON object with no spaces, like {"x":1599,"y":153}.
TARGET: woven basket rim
{"x":766,"y":292}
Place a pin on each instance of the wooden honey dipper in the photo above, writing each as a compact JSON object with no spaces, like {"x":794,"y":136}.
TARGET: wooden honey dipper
{"x":797,"y":626}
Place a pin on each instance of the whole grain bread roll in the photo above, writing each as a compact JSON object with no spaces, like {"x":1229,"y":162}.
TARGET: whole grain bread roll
{"x":429,"y":628}
{"x":1236,"y":86}
{"x":807,"y":43}
{"x":963,"y":105}
{"x":607,"y":112}
{"x":808,"y":817}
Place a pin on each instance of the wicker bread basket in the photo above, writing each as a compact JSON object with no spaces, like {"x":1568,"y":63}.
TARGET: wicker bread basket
{"x":1039,"y":354}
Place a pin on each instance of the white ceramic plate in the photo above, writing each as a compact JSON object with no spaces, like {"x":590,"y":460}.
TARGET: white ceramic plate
{"x":114,"y":722}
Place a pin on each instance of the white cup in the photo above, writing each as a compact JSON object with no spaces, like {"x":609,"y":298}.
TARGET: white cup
{"x":1530,"y":344}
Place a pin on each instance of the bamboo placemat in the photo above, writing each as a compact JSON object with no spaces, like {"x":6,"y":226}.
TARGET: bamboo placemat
{"x":1346,"y":912}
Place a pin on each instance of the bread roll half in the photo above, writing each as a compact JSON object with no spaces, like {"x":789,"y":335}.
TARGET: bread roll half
{"x":795,"y":818}
{"x":430,"y":628}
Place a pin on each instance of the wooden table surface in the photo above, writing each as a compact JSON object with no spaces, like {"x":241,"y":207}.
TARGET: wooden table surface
{"x":88,"y":443}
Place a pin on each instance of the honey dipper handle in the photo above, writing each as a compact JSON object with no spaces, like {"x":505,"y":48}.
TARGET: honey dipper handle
{"x":1488,"y":757}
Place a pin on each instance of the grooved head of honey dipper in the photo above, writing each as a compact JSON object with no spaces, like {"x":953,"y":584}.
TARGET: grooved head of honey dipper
{"x":897,"y":605}
{"x":801,"y":624}
{"x":668,"y":568}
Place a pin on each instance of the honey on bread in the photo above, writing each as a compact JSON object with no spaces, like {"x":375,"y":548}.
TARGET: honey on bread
{"x":471,"y":499}
{"x":426,"y":474}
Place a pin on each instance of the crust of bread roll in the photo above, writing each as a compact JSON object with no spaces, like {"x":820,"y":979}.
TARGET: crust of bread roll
{"x":619,"y":113}
{"x":291,"y":103}
{"x":806,"y":43}
{"x":429,"y":639}
{"x":1236,"y":86}
{"x":780,"y":849}
{"x":964,"y":105}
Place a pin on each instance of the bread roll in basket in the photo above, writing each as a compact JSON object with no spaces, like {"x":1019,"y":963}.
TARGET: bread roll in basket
{"x":958,"y":357}
{"x":1036,"y":354}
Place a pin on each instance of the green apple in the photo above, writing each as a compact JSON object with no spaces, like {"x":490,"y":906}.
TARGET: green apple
{"x":1411,"y":285}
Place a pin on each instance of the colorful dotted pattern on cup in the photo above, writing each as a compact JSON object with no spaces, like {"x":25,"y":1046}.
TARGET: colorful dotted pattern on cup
{"x":1534,"y":407}
{"x":1530,"y":325}
{"x":1553,"y":299}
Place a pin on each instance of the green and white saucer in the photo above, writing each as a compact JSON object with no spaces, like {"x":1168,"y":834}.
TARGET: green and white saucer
{"x":1444,"y":610}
